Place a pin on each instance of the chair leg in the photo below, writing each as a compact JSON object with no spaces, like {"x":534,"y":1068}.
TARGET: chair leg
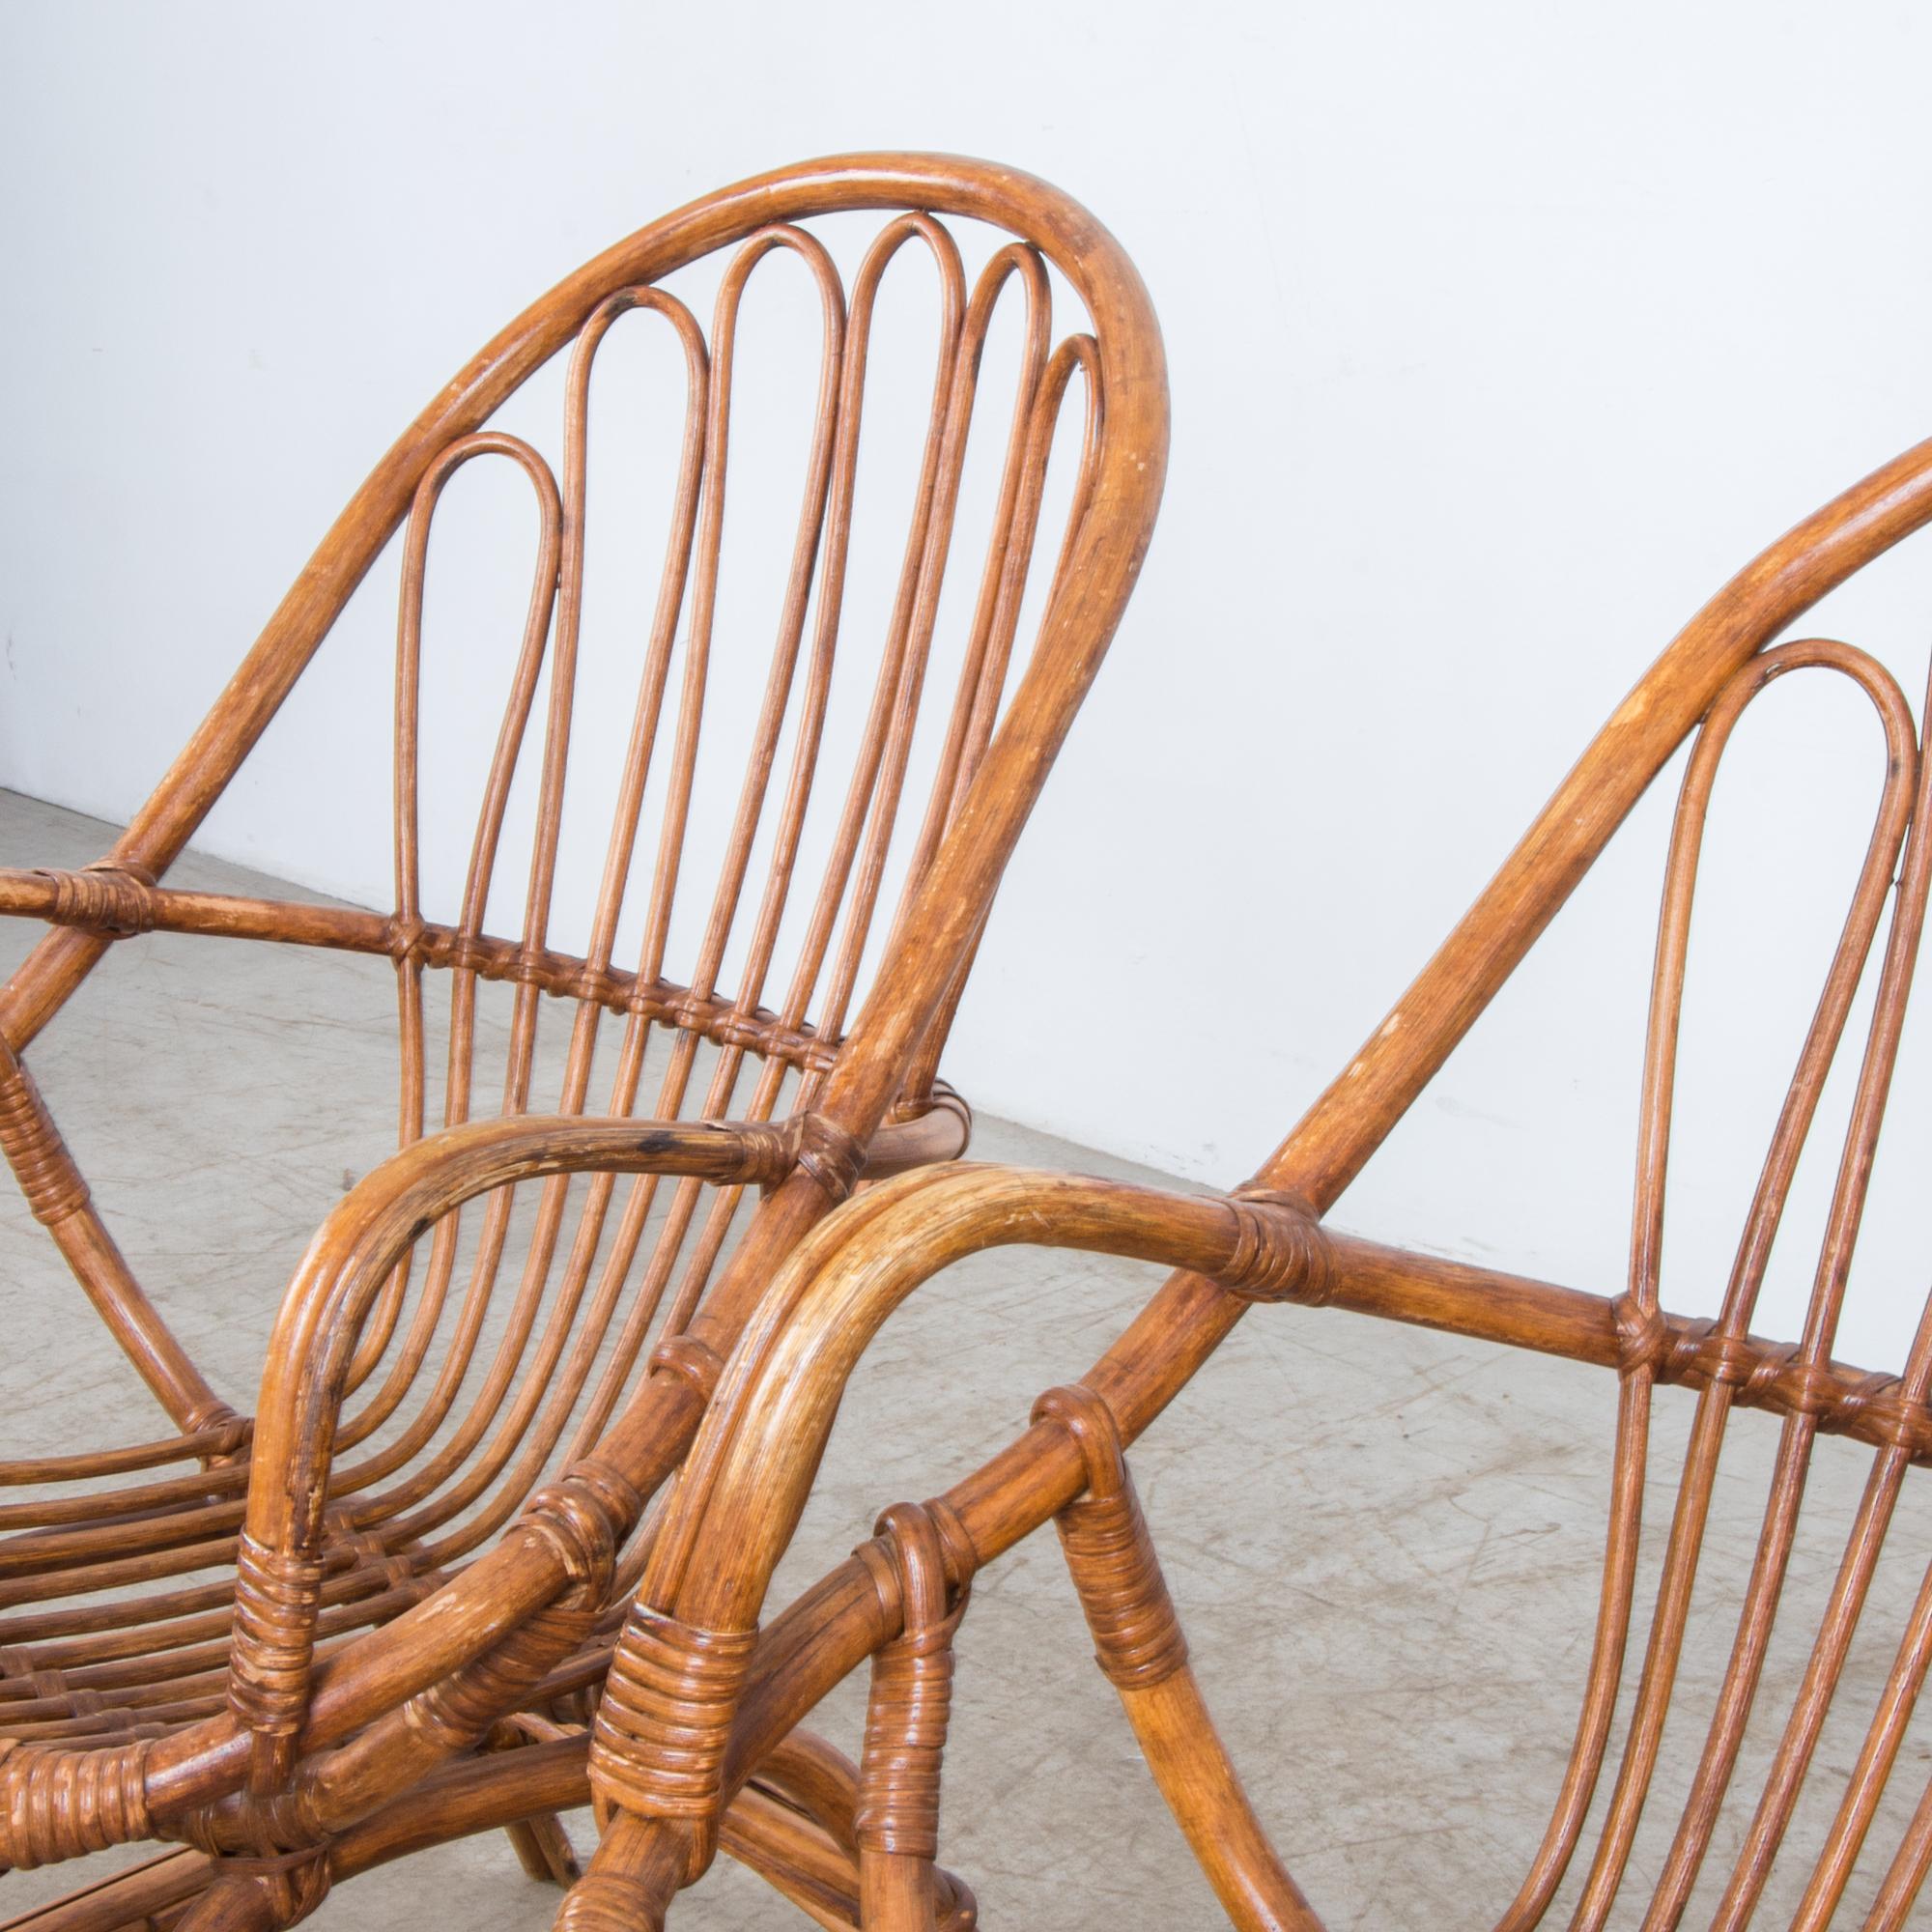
{"x":542,"y":1845}
{"x":543,"y":1850}
{"x":897,"y":1825}
{"x":1138,"y":1642}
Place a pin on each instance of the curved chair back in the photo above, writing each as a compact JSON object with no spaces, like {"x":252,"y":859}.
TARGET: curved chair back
{"x":870,"y":760}
{"x":1732,"y":1830}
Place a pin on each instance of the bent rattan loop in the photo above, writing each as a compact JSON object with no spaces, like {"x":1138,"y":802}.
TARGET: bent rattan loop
{"x":64,"y":1803}
{"x":1137,"y":1636}
{"x":1069,"y":1466}
{"x":441,"y":1353}
{"x":910,"y":1698}
{"x":1280,"y":1251}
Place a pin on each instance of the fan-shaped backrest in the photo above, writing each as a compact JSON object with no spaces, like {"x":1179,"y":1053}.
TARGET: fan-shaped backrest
{"x":750,"y":1020}
{"x":744,"y":887}
{"x":806,"y":802}
{"x":1776,"y":1778}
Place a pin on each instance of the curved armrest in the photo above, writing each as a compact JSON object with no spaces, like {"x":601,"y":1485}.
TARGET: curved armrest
{"x":309,"y":1357}
{"x":695,"y":1695}
{"x":665,"y":1727}
{"x":57,"y":1801}
{"x":746,"y":1479}
{"x":312,"y":1351}
{"x":367,"y":1232}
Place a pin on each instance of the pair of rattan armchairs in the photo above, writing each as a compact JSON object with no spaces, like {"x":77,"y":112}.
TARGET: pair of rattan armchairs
{"x":441,"y":1582}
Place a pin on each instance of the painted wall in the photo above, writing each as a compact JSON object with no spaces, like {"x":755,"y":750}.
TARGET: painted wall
{"x":1499,"y":334}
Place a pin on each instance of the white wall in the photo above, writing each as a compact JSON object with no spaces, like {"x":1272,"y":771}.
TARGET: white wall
{"x":1499,"y":334}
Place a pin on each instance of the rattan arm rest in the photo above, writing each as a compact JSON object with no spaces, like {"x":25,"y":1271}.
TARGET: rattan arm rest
{"x":333,"y":1292}
{"x":780,"y":1389}
{"x":935,"y":1130}
{"x":746,"y":1477}
{"x":335,"y":1285}
{"x":784,"y":1381}
{"x":391,"y":1208}
{"x":664,"y":1753}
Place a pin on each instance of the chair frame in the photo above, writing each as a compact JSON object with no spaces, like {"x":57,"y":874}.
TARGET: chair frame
{"x":272,"y":1791}
{"x":700,"y":1692}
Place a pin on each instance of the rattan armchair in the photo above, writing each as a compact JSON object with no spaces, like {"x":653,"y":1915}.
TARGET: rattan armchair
{"x":264,"y":1644}
{"x":701,"y":1694}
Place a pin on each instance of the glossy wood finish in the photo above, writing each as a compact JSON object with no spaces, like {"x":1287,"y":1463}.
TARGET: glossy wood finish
{"x":426,"y":1535}
{"x":702,"y":1593}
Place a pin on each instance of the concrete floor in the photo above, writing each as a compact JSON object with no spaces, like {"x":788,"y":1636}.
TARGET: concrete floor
{"x":1385,"y":1543}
